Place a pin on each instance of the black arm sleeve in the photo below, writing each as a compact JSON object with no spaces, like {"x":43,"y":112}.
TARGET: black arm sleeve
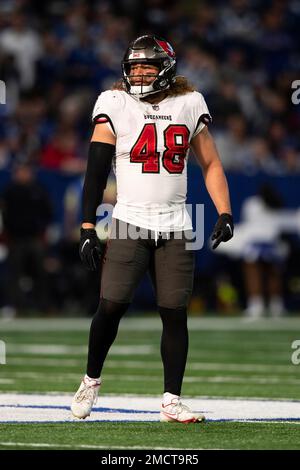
{"x":98,"y":168}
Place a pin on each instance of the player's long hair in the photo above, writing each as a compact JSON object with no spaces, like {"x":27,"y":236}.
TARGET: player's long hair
{"x":180,"y":87}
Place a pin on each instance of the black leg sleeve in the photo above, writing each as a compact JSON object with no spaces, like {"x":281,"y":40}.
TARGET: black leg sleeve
{"x":103,"y":332}
{"x":174,"y":347}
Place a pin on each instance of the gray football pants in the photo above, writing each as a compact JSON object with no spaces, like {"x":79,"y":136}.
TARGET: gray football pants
{"x":169,"y":263}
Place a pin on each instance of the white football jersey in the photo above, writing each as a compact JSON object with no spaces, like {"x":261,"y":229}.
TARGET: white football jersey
{"x":150,"y":163}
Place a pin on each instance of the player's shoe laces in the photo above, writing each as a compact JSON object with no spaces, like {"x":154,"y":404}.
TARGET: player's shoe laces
{"x":177,"y":412}
{"x":85,"y":397}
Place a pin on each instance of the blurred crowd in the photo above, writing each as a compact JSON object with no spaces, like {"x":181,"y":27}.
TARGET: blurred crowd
{"x":57,"y":56}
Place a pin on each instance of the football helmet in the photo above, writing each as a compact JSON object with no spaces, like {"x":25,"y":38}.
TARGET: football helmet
{"x":154,"y":50}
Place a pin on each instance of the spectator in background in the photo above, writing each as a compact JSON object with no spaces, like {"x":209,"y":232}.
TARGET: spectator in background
{"x":201,"y":67}
{"x":10,"y":76}
{"x":225,"y":102}
{"x":23,"y":43}
{"x":51,"y":64}
{"x":26,"y":212}
{"x":61,"y":153}
{"x":81,"y":62}
{"x":4,"y":154}
{"x":239,"y":21}
{"x":260,"y":158}
{"x":264,"y":256}
{"x":259,"y":246}
{"x":276,"y":41}
{"x":233,"y":145}
{"x":27,"y":130}
{"x":290,"y":159}
{"x":242,"y":55}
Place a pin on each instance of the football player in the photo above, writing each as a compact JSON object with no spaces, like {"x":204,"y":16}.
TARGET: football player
{"x":145,"y":126}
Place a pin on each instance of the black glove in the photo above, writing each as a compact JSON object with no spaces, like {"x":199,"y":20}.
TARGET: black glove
{"x":90,"y":248}
{"x":223,"y":230}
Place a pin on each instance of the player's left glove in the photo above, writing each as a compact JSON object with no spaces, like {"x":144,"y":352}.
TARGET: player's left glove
{"x":223,"y":230}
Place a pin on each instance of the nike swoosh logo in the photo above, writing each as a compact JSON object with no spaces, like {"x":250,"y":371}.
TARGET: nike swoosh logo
{"x":86,"y":241}
{"x":227,"y":225}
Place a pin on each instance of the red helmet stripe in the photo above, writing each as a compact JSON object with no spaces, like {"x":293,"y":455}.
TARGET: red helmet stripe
{"x":166,"y":47}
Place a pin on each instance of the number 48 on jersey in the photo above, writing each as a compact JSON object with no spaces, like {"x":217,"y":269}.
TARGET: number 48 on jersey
{"x":176,"y":141}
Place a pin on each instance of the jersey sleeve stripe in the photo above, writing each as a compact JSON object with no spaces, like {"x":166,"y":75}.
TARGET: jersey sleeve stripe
{"x":101,"y":118}
{"x":203,"y":120}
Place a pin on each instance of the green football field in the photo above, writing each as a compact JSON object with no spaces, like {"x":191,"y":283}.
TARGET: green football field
{"x":239,"y":373}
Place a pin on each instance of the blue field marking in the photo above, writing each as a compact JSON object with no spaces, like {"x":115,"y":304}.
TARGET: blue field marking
{"x":61,"y":407}
{"x":129,"y":411}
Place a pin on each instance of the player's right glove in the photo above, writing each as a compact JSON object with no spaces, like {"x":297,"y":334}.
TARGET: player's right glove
{"x":223,"y":230}
{"x":91,"y":249}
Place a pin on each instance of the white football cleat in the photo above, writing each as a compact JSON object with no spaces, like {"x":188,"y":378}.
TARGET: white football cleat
{"x":177,"y":412}
{"x":85,"y":397}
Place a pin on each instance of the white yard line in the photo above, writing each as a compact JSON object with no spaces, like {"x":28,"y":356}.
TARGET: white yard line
{"x":56,"y":408}
{"x":61,"y":349}
{"x":87,"y":446}
{"x":112,"y":363}
{"x":140,"y":322}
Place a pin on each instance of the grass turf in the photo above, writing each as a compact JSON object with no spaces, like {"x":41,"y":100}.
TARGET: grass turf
{"x":237,"y":362}
{"x":221,"y":435}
